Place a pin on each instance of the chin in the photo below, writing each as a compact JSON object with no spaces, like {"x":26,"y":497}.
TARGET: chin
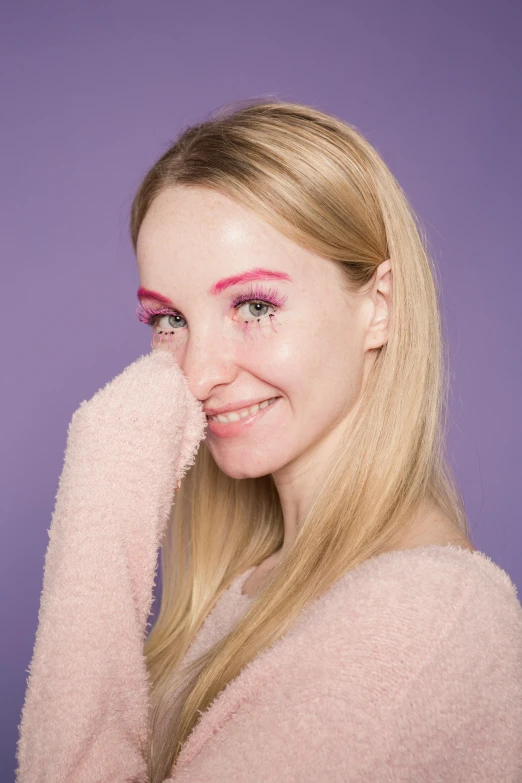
{"x":242,"y":472}
{"x":243,"y":468}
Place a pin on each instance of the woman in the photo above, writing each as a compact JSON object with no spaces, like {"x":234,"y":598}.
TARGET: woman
{"x":324,"y":615}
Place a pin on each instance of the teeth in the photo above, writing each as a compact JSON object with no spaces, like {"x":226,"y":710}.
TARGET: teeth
{"x":240,"y":414}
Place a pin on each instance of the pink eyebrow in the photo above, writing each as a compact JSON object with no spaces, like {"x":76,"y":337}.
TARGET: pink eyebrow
{"x":144,"y":293}
{"x":258,"y":273}
{"x":252,"y":274}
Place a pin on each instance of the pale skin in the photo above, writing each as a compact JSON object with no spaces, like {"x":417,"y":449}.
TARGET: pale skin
{"x":314,"y":355}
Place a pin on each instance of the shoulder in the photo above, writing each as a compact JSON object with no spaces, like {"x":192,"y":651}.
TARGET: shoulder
{"x":402,"y":613}
{"x":432,"y":581}
{"x":430,"y":584}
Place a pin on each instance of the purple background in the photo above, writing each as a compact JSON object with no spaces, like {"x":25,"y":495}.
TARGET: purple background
{"x":93,"y":93}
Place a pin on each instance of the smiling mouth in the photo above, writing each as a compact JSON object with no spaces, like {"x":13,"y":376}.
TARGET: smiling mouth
{"x":242,"y":413}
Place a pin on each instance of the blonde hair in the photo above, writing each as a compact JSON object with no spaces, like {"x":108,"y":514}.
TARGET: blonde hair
{"x":318,"y":181}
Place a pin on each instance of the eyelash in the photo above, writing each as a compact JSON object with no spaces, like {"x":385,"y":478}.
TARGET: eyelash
{"x":259,"y":295}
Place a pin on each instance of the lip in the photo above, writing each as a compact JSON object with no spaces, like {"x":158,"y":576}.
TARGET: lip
{"x":235,"y":406}
{"x":233,"y":428}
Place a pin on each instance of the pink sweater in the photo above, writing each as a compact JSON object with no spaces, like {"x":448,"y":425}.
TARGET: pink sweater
{"x":408,"y":669}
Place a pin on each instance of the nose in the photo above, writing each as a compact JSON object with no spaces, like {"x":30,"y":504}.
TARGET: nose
{"x":208,"y":360}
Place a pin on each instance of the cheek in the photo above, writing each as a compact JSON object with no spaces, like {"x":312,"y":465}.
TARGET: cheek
{"x":289,"y":360}
{"x":319,"y":370}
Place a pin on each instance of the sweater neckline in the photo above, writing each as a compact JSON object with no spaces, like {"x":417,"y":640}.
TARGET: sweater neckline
{"x":236,"y":588}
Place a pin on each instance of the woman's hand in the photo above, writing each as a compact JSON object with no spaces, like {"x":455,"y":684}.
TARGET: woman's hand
{"x":146,"y":416}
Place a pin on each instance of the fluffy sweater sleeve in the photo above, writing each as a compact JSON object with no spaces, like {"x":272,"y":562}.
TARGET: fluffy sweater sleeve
{"x":86,"y":710}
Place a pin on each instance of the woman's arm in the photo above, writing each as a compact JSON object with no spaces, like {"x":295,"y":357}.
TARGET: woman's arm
{"x":86,"y":708}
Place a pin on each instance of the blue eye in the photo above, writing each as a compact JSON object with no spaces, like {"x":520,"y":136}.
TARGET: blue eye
{"x":257,"y":303}
{"x":151,"y":317}
{"x":173,"y":320}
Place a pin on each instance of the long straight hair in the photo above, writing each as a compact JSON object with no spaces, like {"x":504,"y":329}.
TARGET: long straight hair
{"x":315,"y":179}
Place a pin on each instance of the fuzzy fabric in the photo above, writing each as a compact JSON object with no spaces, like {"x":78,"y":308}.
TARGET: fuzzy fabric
{"x":407,"y":670}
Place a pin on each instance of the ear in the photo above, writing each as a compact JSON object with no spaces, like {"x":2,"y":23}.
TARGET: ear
{"x":380,"y":294}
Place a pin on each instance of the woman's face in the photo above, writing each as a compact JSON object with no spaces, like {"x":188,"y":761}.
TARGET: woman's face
{"x":306,"y":344}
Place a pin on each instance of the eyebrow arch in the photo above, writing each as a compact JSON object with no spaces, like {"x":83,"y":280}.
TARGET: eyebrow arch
{"x":144,"y":293}
{"x":257,"y":273}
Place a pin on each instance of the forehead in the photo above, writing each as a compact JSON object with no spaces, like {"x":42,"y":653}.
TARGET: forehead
{"x":196,"y":234}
